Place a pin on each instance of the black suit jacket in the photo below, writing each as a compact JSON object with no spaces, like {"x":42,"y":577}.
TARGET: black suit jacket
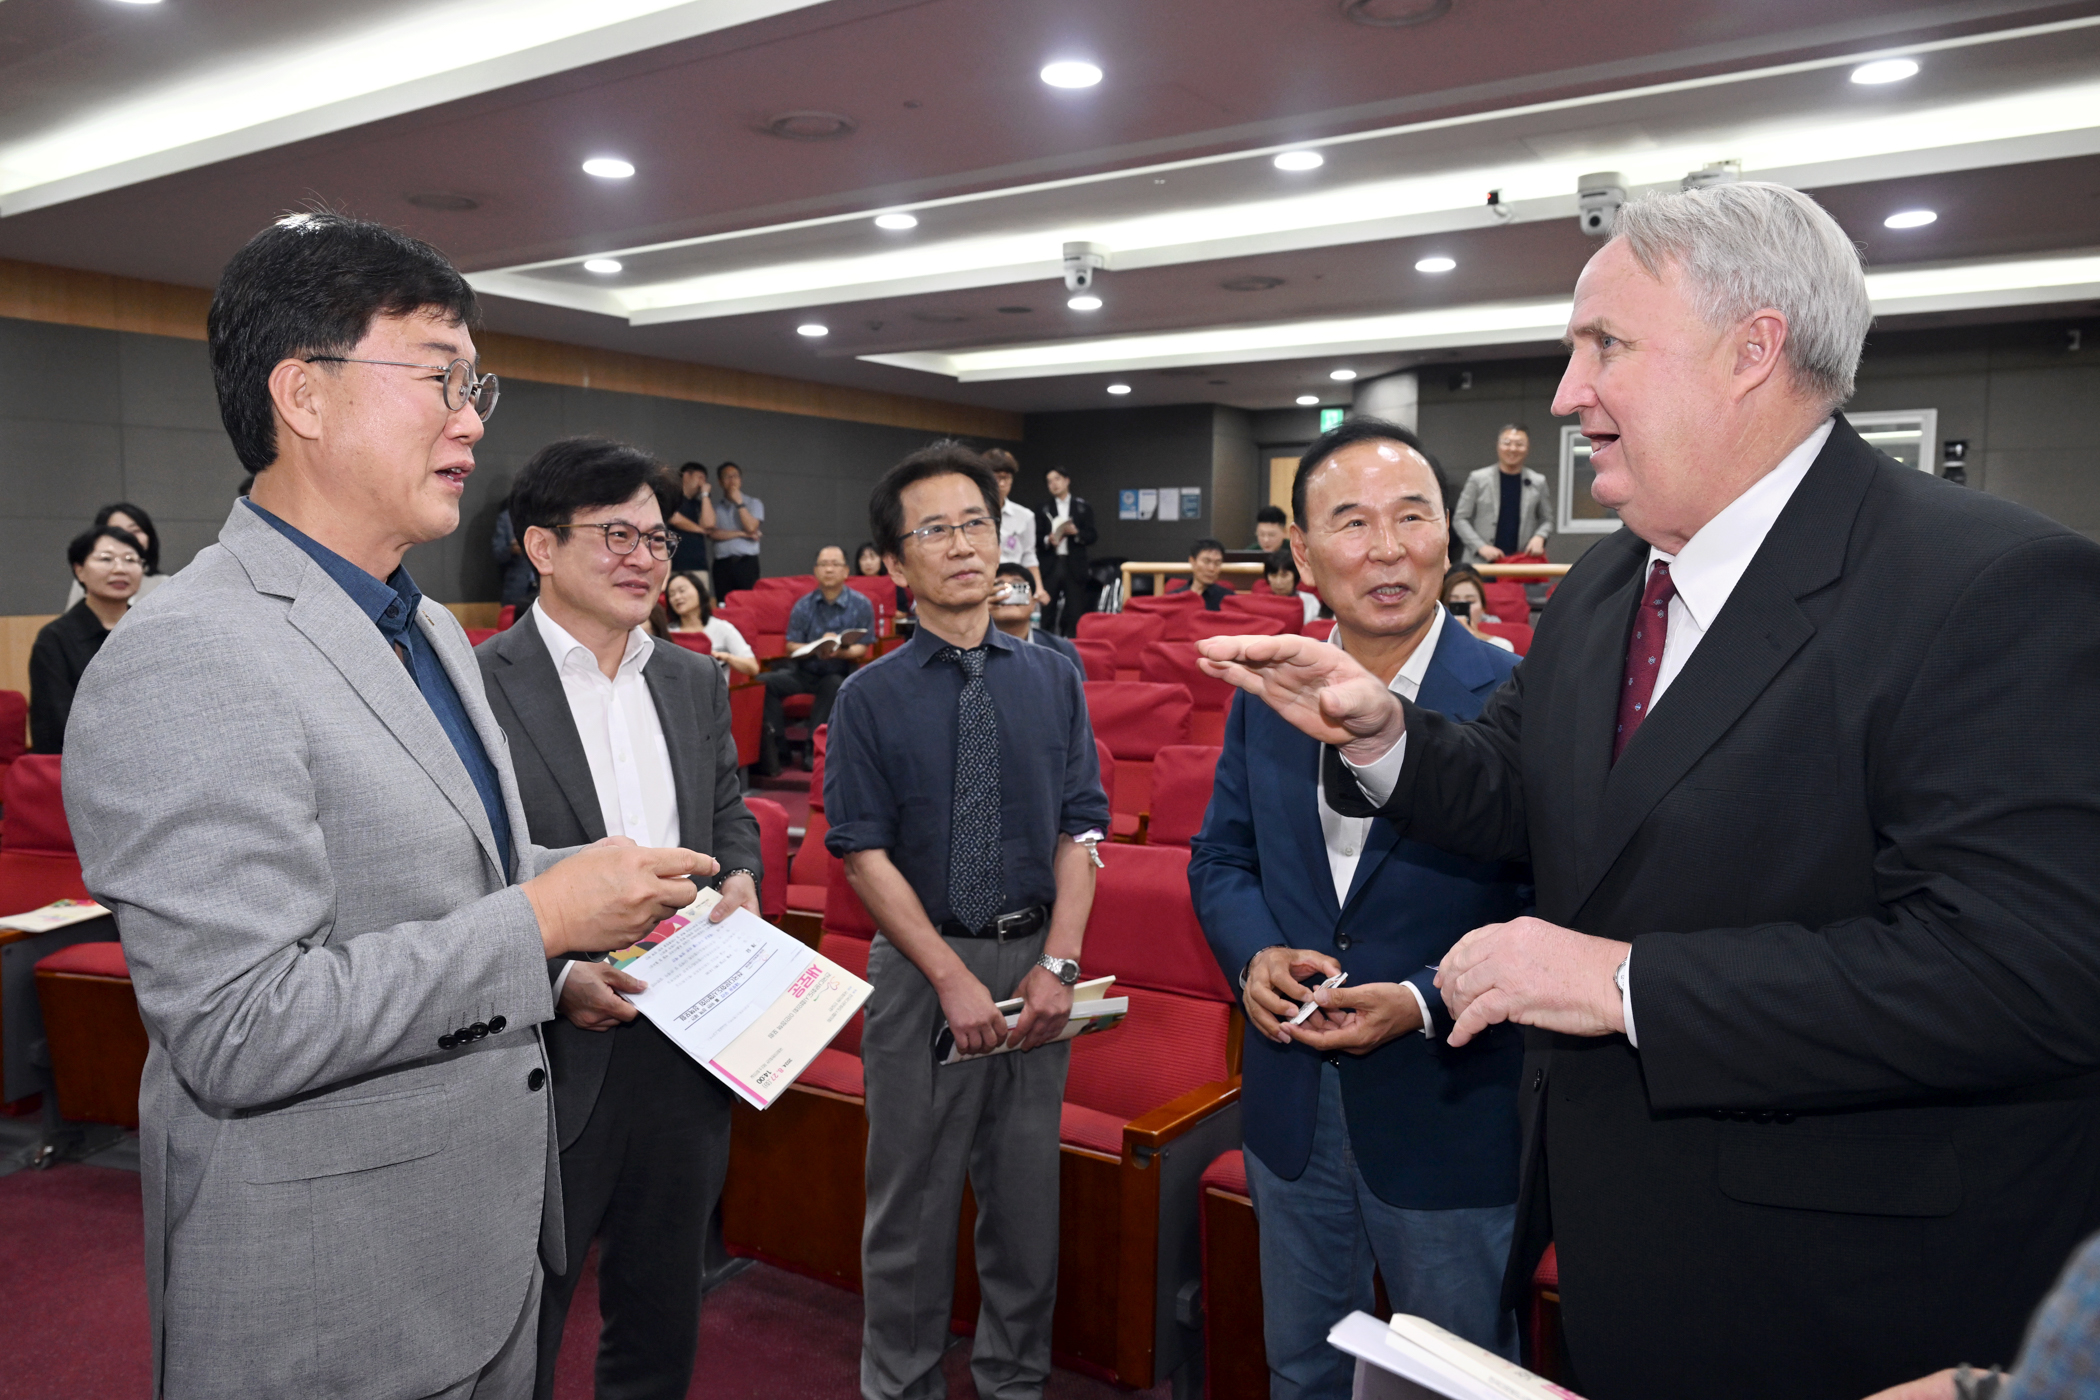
{"x":1077,"y":546}
{"x":1855,"y":851}
{"x":561,"y":802}
{"x":57,"y":659}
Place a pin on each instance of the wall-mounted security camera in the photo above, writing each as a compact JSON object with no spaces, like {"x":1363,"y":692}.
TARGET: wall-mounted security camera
{"x":1598,"y":199}
{"x":1082,"y":261}
{"x":1714,"y":172}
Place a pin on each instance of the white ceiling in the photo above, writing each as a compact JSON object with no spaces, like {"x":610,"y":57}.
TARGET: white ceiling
{"x":150,"y":140}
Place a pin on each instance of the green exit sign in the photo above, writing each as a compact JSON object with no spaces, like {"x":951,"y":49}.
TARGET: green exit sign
{"x":1331,"y":418}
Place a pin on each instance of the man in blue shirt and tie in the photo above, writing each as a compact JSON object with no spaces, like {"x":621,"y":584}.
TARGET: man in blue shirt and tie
{"x":1403,"y":1158}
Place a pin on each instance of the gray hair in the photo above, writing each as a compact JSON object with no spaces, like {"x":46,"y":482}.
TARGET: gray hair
{"x":1747,"y":246}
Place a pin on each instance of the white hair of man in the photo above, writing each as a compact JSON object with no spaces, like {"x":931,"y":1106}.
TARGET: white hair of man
{"x":1751,"y":245}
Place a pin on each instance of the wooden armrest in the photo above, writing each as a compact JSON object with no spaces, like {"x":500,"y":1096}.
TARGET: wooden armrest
{"x":1170,"y":1120}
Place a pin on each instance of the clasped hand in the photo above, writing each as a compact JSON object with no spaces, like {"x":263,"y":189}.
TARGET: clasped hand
{"x":1356,"y":1019}
{"x":979,"y":1025}
{"x":1535,"y":974}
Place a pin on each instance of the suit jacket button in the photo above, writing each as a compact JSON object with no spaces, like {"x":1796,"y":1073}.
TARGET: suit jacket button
{"x":1719,"y":1115}
{"x":1782,"y":1117}
{"x":1763,"y":1115}
{"x":534,"y":1080}
{"x":1341,"y":941}
{"x":480,"y":1030}
{"x":446,"y":1042}
{"x":496,"y":1025}
{"x":1538,"y":1080}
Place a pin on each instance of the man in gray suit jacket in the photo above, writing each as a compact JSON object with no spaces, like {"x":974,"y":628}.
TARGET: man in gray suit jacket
{"x":614,"y":732}
{"x":285,"y":782}
{"x":1503,"y":508}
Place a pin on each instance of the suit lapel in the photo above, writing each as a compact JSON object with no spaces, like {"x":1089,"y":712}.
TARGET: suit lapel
{"x":1759,"y":630}
{"x":446,"y":639}
{"x":686,"y":741}
{"x":533,"y":687}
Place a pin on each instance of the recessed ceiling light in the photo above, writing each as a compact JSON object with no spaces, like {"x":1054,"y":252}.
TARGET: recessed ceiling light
{"x":1886,"y":70}
{"x":1300,"y":160}
{"x":812,"y":329}
{"x":1119,"y":388}
{"x":1308,"y":400}
{"x":896,"y":221}
{"x":608,"y":168}
{"x":1435,"y":265}
{"x":1085,"y":302}
{"x":1071,"y":73}
{"x":604,"y":267}
{"x":1343,"y":375}
{"x":138,"y":2}
{"x":1910,"y":218}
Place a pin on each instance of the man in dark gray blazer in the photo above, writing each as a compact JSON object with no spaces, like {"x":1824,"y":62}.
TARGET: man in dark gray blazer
{"x":616,"y":734}
{"x":283,"y":779}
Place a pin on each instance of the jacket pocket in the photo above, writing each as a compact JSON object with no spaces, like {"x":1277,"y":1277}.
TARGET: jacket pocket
{"x":1849,"y":1174}
{"x":332,"y":1137}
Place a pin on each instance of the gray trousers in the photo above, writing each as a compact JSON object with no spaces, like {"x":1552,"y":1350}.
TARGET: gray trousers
{"x":508,"y":1374}
{"x":994,"y":1120}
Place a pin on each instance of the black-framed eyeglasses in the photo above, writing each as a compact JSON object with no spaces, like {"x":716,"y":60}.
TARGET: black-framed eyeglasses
{"x":461,"y":385}
{"x":977,"y":531}
{"x":622,"y":538}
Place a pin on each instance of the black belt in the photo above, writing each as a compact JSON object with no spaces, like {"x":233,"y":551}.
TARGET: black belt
{"x":1005,"y":928}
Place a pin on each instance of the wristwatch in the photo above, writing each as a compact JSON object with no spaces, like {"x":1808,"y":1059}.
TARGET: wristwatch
{"x":1064,"y":970}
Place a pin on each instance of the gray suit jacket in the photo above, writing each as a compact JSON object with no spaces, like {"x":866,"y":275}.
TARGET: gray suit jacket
{"x":1480,"y":509}
{"x":308,"y":893}
{"x":554,"y":783}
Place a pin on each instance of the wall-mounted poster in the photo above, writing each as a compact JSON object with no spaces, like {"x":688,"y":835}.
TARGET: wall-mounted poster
{"x":1126,"y":505}
{"x":1148,"y":504}
{"x":1191,"y":503}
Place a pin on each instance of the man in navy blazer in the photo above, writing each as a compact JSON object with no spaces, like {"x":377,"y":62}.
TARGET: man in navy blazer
{"x":1403,"y":1158}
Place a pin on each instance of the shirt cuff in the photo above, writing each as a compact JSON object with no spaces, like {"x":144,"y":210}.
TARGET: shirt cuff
{"x":1428,"y":1021}
{"x":1379,"y":777}
{"x":1626,"y":1003}
{"x":568,"y":966}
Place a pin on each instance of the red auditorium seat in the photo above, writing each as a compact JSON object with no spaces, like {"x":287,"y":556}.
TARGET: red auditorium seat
{"x":1108,"y":771}
{"x":747,"y":717}
{"x":1136,"y":720}
{"x":37,"y":862}
{"x":1128,"y":633}
{"x":1099,"y":659}
{"x":1234,"y":624}
{"x":881,"y":594}
{"x":1320,"y":629}
{"x":1182,"y":775}
{"x":14,"y":728}
{"x":477,"y":635}
{"x":810,"y":875}
{"x":1235,"y":1362}
{"x":507,"y":618}
{"x":1545,"y":1345}
{"x":844,"y":914}
{"x":761,"y":614}
{"x":91,"y":1025}
{"x":1175,"y":609}
{"x":694,"y":641}
{"x":1516,"y":633}
{"x":1506,"y":599}
{"x":1174,"y":663}
{"x":1288,"y":613}
{"x":773,"y":857}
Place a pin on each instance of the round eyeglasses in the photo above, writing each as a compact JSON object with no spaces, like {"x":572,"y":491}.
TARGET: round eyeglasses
{"x":462,"y":386}
{"x":622,"y":538}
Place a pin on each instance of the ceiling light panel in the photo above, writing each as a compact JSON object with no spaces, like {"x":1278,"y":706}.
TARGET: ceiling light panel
{"x":1886,"y":70}
{"x":1071,"y":73}
{"x":283,"y":84}
{"x":608,"y":168}
{"x":896,"y":223}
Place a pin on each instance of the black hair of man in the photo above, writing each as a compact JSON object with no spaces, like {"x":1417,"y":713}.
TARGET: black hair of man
{"x":700,"y":467}
{"x":576,"y":474}
{"x":1001,"y":462}
{"x":1271,"y":515}
{"x":1512,"y":428}
{"x":83,"y":544}
{"x":1205,"y":546}
{"x":1009,"y":569}
{"x":144,"y":521}
{"x":311,"y":284}
{"x":944,"y":458}
{"x":1347,"y":433}
{"x":819,"y":555}
{"x":1281,"y":561}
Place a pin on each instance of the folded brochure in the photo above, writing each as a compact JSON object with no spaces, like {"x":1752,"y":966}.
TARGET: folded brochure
{"x":1438,"y":1361}
{"x":753,"y":1005}
{"x":1093,"y":1009}
{"x":58,"y":914}
{"x":826,"y":646}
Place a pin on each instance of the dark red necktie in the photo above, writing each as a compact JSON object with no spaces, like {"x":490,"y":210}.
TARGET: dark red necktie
{"x":1651,"y":628}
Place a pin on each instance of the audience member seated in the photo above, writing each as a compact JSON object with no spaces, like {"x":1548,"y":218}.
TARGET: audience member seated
{"x":867,"y":563}
{"x":692,"y":609}
{"x":1466,"y":597}
{"x":109,"y":567}
{"x":127,"y":517}
{"x":1206,"y":562}
{"x":1283,"y":580}
{"x":1271,"y":529}
{"x":1013,"y":612}
{"x":829,"y":611}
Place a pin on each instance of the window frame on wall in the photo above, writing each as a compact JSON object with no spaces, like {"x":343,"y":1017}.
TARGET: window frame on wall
{"x":1566,"y":521}
{"x":1867,"y":424}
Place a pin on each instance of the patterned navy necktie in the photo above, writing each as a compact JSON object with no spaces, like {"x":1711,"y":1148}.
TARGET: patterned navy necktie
{"x":975,"y":890}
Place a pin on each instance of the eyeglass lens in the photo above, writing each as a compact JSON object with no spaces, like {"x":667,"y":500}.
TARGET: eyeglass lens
{"x":461,"y":388}
{"x":622,"y":539}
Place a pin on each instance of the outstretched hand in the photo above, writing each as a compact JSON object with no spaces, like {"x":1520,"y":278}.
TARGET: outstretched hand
{"x":1320,"y":689}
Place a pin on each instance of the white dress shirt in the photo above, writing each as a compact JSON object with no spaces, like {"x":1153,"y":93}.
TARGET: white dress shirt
{"x":1345,"y":836}
{"x":623,"y":740}
{"x":724,"y":638}
{"x":1705,"y":573}
{"x":1060,"y":512}
{"x":1017,"y":535}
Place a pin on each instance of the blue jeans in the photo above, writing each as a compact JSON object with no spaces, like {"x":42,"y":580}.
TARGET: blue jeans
{"x":1322,"y":1235}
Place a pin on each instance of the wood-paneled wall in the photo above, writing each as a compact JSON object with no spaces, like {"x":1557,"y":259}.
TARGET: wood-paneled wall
{"x":17,"y":635}
{"x":37,"y":292}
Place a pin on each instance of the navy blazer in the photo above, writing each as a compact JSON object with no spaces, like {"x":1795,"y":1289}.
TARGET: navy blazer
{"x":1432,"y":1128}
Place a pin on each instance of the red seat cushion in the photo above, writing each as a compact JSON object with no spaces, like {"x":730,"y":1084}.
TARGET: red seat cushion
{"x":1175,"y":663}
{"x":807,"y":899}
{"x":1508,"y":601}
{"x":843,"y":911}
{"x":1128,"y":633}
{"x":29,"y":881}
{"x":1288,"y":612}
{"x":1517,"y":634}
{"x":1182,"y":775}
{"x":1168,"y":1045}
{"x":36,"y":809}
{"x":694,"y":641}
{"x":812,"y":863}
{"x":507,"y":618}
{"x":1548,"y":1275}
{"x":1143,"y":925}
{"x":100,"y":959}
{"x":851,"y":954}
{"x":837,"y":1071}
{"x":1098,"y":658}
{"x":816,"y":769}
{"x":14,"y":726}
{"x":1228,"y":1173}
{"x":477,"y":635}
{"x":1136,"y":719}
{"x":1090,"y":1128}
{"x":1107,"y":761}
{"x":1234,"y":624}
{"x":1320,"y":629}
{"x":773,"y":856}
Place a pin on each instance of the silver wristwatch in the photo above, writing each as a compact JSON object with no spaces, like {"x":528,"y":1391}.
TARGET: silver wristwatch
{"x":1064,"y":970}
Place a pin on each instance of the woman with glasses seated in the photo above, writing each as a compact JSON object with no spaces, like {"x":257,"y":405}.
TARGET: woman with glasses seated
{"x":108,"y":564}
{"x":128,"y":517}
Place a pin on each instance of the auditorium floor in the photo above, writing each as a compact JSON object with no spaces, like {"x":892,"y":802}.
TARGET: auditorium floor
{"x":73,"y":1310}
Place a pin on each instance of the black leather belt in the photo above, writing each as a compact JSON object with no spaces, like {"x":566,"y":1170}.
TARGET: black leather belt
{"x":1005,"y":928}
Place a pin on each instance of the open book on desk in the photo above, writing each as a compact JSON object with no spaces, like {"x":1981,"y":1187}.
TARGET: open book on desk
{"x":753,"y":1005}
{"x":1414,"y":1357}
{"x":827,"y":646}
{"x":1093,"y":1009}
